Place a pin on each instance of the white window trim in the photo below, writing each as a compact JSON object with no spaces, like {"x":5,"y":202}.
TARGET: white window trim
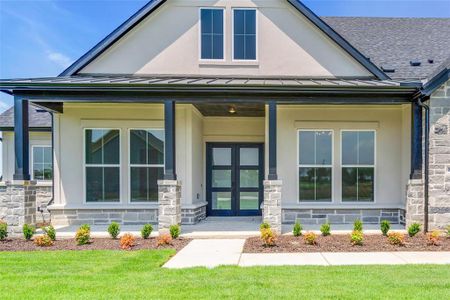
{"x":32,"y":162}
{"x":315,"y":166}
{"x":141,"y":165}
{"x":256,"y":36}
{"x":374,"y":166}
{"x":207,"y":60}
{"x":108,"y":203}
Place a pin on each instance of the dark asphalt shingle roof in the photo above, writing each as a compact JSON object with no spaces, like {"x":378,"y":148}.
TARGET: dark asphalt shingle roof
{"x":394,"y":42}
{"x":37,"y":119}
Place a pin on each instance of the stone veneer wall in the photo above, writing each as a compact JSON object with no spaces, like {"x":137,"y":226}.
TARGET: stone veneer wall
{"x":104,"y":216}
{"x":43,"y":197}
{"x":272,"y":204}
{"x":342,"y":216}
{"x":191,"y":216}
{"x":169,"y":201}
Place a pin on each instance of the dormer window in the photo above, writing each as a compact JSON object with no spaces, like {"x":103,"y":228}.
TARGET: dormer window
{"x":212,"y":37}
{"x":244,"y":34}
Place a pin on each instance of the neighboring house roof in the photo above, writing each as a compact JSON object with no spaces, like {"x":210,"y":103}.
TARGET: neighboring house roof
{"x":392,"y":43}
{"x":38,"y":120}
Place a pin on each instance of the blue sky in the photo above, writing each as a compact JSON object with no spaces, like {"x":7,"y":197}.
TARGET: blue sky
{"x":42,"y":37}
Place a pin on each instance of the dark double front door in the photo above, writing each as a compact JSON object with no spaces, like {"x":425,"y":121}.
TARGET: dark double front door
{"x":235,"y":173}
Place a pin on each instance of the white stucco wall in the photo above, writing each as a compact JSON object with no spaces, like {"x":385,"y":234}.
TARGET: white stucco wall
{"x":167,"y":42}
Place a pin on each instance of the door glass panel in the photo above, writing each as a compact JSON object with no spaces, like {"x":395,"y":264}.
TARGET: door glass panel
{"x":222,"y":156}
{"x":221,"y":178}
{"x":221,"y":200}
{"x":249,"y":156}
{"x":249,"y":178}
{"x":249,"y":200}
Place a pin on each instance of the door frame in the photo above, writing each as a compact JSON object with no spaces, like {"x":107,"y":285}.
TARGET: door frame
{"x":235,"y":184}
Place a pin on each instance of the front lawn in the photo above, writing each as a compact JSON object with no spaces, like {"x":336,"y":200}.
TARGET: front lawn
{"x":137,"y":274}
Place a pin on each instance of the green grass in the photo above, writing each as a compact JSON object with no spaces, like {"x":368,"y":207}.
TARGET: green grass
{"x":131,"y":275}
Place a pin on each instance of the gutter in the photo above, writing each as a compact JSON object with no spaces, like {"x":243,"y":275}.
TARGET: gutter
{"x":420,"y":102}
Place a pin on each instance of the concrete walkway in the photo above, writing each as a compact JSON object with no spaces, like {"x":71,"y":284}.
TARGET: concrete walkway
{"x":211,"y":253}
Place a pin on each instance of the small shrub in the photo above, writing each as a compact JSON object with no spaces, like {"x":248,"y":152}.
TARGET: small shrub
{"x":146,"y":231}
{"x":43,"y":241}
{"x":325,"y":229}
{"x":396,"y":238}
{"x":385,"y":226}
{"x":434,"y":238}
{"x":297,"y":230}
{"x":28,"y":231}
{"x":356,"y":238}
{"x":448,"y":231}
{"x":165,"y":239}
{"x":175,"y":231}
{"x":127,"y":241}
{"x":357,"y":225}
{"x":114,"y":230}
{"x":3,"y":230}
{"x":51,"y":232}
{"x":413,"y":229}
{"x":264,"y":225}
{"x":310,"y":238}
{"x":86,"y":227}
{"x":83,"y":236}
{"x":268,"y":237}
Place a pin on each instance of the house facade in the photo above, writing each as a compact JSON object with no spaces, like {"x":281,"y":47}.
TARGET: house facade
{"x":240,"y":108}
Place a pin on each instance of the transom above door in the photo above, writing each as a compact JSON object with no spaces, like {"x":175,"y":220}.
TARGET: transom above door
{"x":234,"y":178}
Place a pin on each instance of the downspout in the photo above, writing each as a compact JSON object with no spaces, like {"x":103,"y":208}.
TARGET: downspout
{"x":426,"y":160}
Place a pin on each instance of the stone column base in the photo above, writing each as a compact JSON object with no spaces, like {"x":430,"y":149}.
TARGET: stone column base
{"x":169,"y":212}
{"x":272,"y":204}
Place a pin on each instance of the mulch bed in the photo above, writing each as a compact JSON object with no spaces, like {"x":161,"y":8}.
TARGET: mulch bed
{"x":13,"y":244}
{"x":341,"y":243}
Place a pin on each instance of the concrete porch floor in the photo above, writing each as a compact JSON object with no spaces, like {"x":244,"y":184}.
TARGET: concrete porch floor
{"x":221,"y":227}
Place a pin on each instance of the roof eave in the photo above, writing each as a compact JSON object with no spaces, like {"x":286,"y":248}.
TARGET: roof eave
{"x":435,"y":82}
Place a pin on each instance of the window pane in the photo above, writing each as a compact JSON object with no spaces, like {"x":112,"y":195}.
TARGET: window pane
{"x":323,"y":184}
{"x":48,"y":171}
{"x":139,"y":180}
{"x":221,"y":178}
{"x":217,"y":21}
{"x":306,"y":184}
{"x":365,"y":184}
{"x":306,"y":146}
{"x":155,"y":174}
{"x":249,"y":156}
{"x":94,"y":184}
{"x":366,"y":147}
{"x":221,"y":156}
{"x":250,"y":47}
{"x":349,"y":148}
{"x":349,"y":184}
{"x":239,"y":21}
{"x":239,"y":47}
{"x":249,"y":178}
{"x":111,"y":147}
{"x":38,"y":154}
{"x":156,"y":147}
{"x":111,"y":184}
{"x":221,"y":200}
{"x":138,"y":151}
{"x":217,"y":49}
{"x":206,"y":20}
{"x":38,"y":171}
{"x":323,"y":147}
{"x":250,"y":21}
{"x":47,"y":154}
{"x":249,"y":200}
{"x":207,"y":46}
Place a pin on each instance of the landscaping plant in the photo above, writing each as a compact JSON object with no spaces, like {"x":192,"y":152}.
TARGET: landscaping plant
{"x":396,"y":238}
{"x":268,"y":237}
{"x":28,"y":231}
{"x":51,"y":232}
{"x":3,"y":230}
{"x":165,"y":239}
{"x":83,"y":235}
{"x":175,"y":231}
{"x":114,"y":230}
{"x":297,"y":230}
{"x":385,"y":226}
{"x":357,"y":237}
{"x":325,"y":229}
{"x":434,"y":238}
{"x":357,"y":225}
{"x":86,"y":226}
{"x":413,"y":229}
{"x":310,"y":238}
{"x":146,"y":231}
{"x":448,"y":231}
{"x":264,"y":225}
{"x":127,"y":241}
{"x":43,"y":241}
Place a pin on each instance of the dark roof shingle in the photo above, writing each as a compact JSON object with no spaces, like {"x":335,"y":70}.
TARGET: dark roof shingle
{"x":37,"y":119}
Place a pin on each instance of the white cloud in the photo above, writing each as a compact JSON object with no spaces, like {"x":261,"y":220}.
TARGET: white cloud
{"x":59,"y":58}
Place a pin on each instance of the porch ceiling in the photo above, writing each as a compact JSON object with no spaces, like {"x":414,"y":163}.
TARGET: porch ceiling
{"x":223,"y":110}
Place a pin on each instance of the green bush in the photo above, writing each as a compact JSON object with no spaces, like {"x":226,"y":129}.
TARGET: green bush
{"x":297,"y":230}
{"x":385,"y":226}
{"x":175,"y":231}
{"x":264,"y":225}
{"x":114,"y":230}
{"x":83,"y":235}
{"x":86,"y":226}
{"x":413,"y":229}
{"x":146,"y":231}
{"x":448,"y":230}
{"x":356,"y":237}
{"x":357,"y":225}
{"x":28,"y":231}
{"x":325,"y":229}
{"x":51,"y":232}
{"x":3,"y":230}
